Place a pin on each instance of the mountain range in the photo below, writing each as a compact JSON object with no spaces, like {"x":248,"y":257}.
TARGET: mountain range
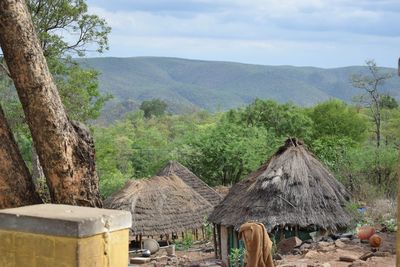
{"x":189,"y":85}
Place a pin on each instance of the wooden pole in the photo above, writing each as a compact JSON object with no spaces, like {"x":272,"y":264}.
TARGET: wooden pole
{"x":219,"y":241}
{"x":215,"y":242}
{"x":282,"y":233}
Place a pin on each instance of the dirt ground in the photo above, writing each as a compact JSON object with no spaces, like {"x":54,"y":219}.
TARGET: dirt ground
{"x":321,"y":254}
{"x":328,"y":254}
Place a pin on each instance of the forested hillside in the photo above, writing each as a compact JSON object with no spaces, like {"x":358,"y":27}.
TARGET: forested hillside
{"x":222,"y":148}
{"x":188,"y":85}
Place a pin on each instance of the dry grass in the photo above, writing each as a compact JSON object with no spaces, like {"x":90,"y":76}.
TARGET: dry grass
{"x":160,"y":205}
{"x":175,"y":168}
{"x":381,"y":210}
{"x":291,"y":189}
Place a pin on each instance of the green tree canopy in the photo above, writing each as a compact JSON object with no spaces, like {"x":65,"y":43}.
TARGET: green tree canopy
{"x":225,"y":152}
{"x":281,"y":119}
{"x":155,"y":107}
{"x":336,"y":118}
{"x":387,"y":101}
{"x":82,"y":31}
{"x":79,"y":90}
{"x":65,"y":26}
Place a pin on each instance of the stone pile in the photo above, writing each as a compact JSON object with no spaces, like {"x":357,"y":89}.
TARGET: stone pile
{"x":346,"y":251}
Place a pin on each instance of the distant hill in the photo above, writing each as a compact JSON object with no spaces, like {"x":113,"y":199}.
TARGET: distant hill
{"x":188,"y":85}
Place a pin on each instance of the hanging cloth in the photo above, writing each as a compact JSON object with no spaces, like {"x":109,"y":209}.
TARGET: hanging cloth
{"x":258,"y":245}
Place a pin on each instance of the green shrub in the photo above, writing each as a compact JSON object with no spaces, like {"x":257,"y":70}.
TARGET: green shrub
{"x":236,"y":257}
{"x":208,"y":228}
{"x":185,"y":243}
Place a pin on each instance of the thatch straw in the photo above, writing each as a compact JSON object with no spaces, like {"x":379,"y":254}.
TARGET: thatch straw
{"x":191,"y":180}
{"x":291,"y":189}
{"x":160,"y":205}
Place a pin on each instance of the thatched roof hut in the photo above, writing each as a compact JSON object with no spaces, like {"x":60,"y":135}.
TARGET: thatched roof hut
{"x":160,"y":205}
{"x":175,"y":168}
{"x":291,"y":189}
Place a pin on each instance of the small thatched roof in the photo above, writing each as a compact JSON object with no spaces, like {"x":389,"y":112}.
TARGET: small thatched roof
{"x":160,"y":205}
{"x":291,"y":189}
{"x":191,"y":180}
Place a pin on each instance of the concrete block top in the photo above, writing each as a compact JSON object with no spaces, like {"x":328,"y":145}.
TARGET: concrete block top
{"x":64,"y":220}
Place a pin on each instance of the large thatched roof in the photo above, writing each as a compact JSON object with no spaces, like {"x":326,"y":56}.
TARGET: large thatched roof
{"x":191,"y":180}
{"x":160,"y":205}
{"x":292,"y":188}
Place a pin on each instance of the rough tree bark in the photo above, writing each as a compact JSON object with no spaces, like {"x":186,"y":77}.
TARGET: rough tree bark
{"x":16,"y":186}
{"x":37,"y":170}
{"x":65,"y":148}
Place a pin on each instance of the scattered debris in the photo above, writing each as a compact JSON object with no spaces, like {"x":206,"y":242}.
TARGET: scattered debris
{"x":344,"y":251}
{"x":312,"y":254}
{"x":347,"y":258}
{"x":358,"y":263}
{"x":287,"y":245}
{"x":305,"y":247}
{"x":139,"y":260}
{"x":339,"y":244}
{"x":381,"y":254}
{"x":366,"y":256}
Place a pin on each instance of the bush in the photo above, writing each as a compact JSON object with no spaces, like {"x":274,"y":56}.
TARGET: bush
{"x":208,"y":228}
{"x":357,"y":215}
{"x":236,"y":257}
{"x":184,"y":244}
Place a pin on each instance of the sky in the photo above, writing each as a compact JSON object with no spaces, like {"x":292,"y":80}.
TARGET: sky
{"x":320,"y":33}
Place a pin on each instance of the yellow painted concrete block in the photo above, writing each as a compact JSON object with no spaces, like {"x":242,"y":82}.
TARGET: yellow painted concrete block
{"x":25,"y":243}
{"x":85,"y":245}
{"x":61,"y":264}
{"x":44,"y":246}
{"x":7,"y":259}
{"x":91,"y":247}
{"x":92,"y":262}
{"x":7,"y":241}
{"x":66,"y":251}
{"x":36,"y":250}
{"x":118,"y":248}
{"x":44,"y":262}
{"x":24,"y":260}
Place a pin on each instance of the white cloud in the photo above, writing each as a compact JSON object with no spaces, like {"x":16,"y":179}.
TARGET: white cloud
{"x":304,"y":31}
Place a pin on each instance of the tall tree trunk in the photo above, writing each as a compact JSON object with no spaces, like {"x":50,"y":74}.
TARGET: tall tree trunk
{"x":65,"y":149}
{"x":16,"y":186}
{"x":37,"y":170}
{"x":38,"y":177}
{"x":378,"y":131}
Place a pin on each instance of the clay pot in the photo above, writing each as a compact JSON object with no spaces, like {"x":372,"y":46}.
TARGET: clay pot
{"x":375,"y":241}
{"x":365,"y":232}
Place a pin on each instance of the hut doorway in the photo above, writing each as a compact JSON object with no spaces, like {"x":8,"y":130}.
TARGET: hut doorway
{"x":227,"y":239}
